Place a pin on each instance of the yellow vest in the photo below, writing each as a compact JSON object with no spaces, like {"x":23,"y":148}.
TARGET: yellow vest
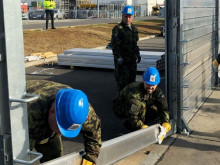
{"x":49,"y":4}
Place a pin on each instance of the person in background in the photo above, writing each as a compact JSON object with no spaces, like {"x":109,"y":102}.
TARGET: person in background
{"x":125,"y":49}
{"x":49,"y":6}
{"x":143,"y":104}
{"x":61,"y":110}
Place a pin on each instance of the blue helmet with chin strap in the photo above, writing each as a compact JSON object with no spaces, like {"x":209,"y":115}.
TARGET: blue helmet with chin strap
{"x":71,"y":108}
{"x":151,"y":76}
{"x":128,"y":10}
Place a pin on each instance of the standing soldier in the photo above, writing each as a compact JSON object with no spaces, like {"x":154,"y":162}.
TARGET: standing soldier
{"x":125,"y":50}
{"x":61,"y":110}
{"x":49,"y":6}
{"x":143,"y":103}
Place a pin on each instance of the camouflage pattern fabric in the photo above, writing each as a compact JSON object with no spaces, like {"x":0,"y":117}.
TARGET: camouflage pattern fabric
{"x":140,"y":108}
{"x":42,"y":138}
{"x":124,"y":45}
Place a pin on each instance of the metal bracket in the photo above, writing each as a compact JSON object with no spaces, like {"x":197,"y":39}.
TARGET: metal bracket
{"x":185,"y":108}
{"x":184,"y":63}
{"x":31,"y":97}
{"x":185,"y":86}
{"x":186,"y":130}
{"x":39,"y":156}
{"x":7,"y":145}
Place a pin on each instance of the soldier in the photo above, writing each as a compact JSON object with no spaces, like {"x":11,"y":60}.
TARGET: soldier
{"x":143,"y":103}
{"x":61,"y":110}
{"x":125,"y":50}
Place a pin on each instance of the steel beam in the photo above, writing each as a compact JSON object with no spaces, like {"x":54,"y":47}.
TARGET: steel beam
{"x":115,"y":149}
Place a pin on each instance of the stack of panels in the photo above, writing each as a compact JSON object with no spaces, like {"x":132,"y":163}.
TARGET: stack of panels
{"x":103,"y":58}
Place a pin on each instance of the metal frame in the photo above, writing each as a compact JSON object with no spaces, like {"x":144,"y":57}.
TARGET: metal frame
{"x":172,"y":62}
{"x":175,"y":64}
{"x":115,"y":149}
{"x":217,"y":36}
{"x":6,"y":156}
{"x":13,"y":97}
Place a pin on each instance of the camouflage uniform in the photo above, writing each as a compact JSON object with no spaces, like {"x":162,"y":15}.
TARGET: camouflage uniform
{"x":124,"y":45}
{"x":42,"y":138}
{"x":140,"y":108}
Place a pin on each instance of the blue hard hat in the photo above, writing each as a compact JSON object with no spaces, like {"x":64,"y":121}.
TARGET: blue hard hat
{"x":128,"y":10}
{"x":151,"y":76}
{"x":71,"y":107}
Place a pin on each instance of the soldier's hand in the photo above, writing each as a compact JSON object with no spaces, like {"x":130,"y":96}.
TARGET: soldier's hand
{"x":138,"y":58}
{"x":166,"y":127}
{"x":120,"y":61}
{"x":86,"y":162}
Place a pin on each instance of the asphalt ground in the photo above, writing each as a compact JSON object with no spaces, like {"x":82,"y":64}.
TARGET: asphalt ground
{"x":100,"y":87}
{"x":40,"y":24}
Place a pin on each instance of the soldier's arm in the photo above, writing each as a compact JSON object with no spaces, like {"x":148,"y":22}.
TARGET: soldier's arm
{"x":137,"y":50}
{"x":116,"y":41}
{"x":135,"y":113}
{"x":91,"y":131}
{"x":162,"y":108}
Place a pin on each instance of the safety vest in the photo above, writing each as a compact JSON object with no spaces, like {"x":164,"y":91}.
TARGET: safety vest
{"x":49,"y":4}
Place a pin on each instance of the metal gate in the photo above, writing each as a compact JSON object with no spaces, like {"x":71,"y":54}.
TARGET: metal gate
{"x":191,"y":46}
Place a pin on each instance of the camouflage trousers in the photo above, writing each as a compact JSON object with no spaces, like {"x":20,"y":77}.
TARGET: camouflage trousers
{"x":50,"y":150}
{"x":125,"y":74}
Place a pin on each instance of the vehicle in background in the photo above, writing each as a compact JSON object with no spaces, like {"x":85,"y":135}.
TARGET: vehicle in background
{"x":37,"y":14}
{"x":41,"y":14}
{"x":57,"y":14}
{"x":24,"y":10}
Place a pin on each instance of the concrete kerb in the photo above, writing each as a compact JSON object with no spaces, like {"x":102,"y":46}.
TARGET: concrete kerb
{"x":53,"y":60}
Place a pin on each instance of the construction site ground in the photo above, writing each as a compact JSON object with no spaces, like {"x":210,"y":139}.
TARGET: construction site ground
{"x":84,"y":36}
{"x":201,"y":147}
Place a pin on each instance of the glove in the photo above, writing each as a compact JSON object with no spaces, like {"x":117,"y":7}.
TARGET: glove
{"x":120,"y":61}
{"x":86,"y":162}
{"x":166,"y":127}
{"x":138,"y":58}
{"x":144,"y":126}
{"x":215,"y":65}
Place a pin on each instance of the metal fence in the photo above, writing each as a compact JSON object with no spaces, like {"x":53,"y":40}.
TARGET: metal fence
{"x":191,"y":48}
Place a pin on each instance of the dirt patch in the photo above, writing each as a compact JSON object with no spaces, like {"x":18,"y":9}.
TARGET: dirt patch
{"x":89,"y":36}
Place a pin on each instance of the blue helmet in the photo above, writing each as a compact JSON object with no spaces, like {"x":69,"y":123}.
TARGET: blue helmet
{"x":71,"y":108}
{"x":128,"y":10}
{"x":151,"y":76}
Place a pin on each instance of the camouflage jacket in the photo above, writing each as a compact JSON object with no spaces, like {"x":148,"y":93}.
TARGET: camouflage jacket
{"x":143,"y":108}
{"x":38,"y":111}
{"x":124,"y":42}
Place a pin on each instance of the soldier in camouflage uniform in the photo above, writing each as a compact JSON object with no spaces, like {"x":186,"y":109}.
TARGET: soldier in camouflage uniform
{"x":143,"y":103}
{"x":46,"y":138}
{"x":125,"y":50}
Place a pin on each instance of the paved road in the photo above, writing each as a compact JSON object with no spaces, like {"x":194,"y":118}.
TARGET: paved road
{"x":40,"y":24}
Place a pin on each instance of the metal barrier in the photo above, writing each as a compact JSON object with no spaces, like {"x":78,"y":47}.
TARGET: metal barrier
{"x":191,"y":46}
{"x":103,"y":58}
{"x":115,"y":149}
